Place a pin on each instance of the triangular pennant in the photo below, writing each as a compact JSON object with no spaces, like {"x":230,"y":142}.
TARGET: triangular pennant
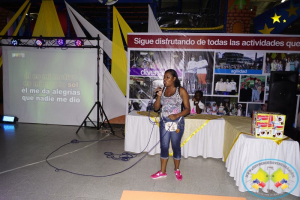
{"x":124,"y":26}
{"x":153,"y":26}
{"x":114,"y":101}
{"x":47,"y":23}
{"x":79,"y":32}
{"x":119,"y":60}
{"x":107,"y":44}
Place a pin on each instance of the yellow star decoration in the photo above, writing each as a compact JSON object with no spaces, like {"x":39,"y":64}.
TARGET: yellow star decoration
{"x":276,"y":18}
{"x":266,"y":30}
{"x":292,"y":10}
{"x":284,"y":21}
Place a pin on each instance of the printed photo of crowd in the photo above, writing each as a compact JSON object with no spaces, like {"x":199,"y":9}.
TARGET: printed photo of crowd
{"x":282,"y":62}
{"x":140,"y":88}
{"x":223,"y":106}
{"x":139,"y":105}
{"x":156,"y":60}
{"x":230,"y":92}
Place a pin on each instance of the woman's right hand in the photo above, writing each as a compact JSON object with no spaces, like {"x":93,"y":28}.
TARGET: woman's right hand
{"x":158,"y":91}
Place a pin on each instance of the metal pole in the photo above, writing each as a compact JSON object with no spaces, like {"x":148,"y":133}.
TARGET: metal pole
{"x":108,"y":36}
{"x":225,"y":15}
{"x":154,"y":8}
{"x":179,"y":6}
{"x":158,"y":7}
{"x":98,"y":102}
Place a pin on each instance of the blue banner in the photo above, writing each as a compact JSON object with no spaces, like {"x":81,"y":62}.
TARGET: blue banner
{"x":237,"y":71}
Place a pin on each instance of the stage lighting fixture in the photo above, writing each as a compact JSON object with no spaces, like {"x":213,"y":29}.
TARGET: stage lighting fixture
{"x":9,"y":119}
{"x":39,"y":42}
{"x":78,"y":43}
{"x":15,"y":42}
{"x":61,"y":42}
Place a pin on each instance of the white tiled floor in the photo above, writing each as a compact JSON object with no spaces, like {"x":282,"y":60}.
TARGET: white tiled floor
{"x":24,"y":174}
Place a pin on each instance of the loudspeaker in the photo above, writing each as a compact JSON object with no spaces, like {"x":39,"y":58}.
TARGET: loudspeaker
{"x":282,"y":95}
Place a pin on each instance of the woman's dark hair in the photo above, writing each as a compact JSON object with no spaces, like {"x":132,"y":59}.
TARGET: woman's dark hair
{"x":174,"y":74}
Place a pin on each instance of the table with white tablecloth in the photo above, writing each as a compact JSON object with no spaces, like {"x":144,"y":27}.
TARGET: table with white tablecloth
{"x":227,"y":138}
{"x":249,"y":149}
{"x":141,"y":130}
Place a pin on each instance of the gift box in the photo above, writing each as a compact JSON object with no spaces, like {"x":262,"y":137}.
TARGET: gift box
{"x":268,"y":124}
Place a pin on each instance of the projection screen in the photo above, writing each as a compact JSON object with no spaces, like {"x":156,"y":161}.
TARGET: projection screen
{"x":49,"y":86}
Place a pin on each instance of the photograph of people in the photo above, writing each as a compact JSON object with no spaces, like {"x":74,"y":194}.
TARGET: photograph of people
{"x":282,"y":62}
{"x":171,"y":125}
{"x":226,"y":109}
{"x":190,"y":75}
{"x":227,"y":87}
{"x":252,"y":107}
{"x":154,"y":63}
{"x":237,"y":109}
{"x":233,"y":87}
{"x":252,"y":88}
{"x":220,"y":87}
{"x":241,"y":110}
{"x":140,"y":59}
{"x":267,"y":85}
{"x":198,"y":70}
{"x":221,"y":109}
{"x":140,"y":88}
{"x":138,"y":105}
{"x":214,"y":109}
{"x":267,"y":65}
{"x":208,"y":109}
{"x":233,"y":110}
{"x":223,"y":106}
{"x":239,"y":62}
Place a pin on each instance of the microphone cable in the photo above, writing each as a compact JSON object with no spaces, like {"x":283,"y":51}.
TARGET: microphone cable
{"x":125,"y":156}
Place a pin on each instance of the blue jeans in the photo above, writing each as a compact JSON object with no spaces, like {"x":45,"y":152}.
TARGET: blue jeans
{"x":166,"y":136}
{"x":255,"y":95}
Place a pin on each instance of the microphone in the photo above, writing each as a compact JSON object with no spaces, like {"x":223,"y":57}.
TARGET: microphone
{"x":155,"y":95}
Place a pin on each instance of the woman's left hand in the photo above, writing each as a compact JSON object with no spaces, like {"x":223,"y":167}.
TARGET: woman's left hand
{"x":173,"y":117}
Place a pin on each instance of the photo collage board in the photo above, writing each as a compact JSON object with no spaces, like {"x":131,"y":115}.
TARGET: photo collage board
{"x":233,"y":81}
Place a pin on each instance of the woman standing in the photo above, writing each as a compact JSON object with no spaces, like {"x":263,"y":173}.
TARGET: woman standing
{"x":273,"y":66}
{"x":171,"y":125}
{"x":292,"y":65}
{"x":268,"y":65}
{"x":288,"y":65}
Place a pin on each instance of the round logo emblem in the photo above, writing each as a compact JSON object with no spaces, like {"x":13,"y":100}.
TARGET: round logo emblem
{"x":270,"y":178}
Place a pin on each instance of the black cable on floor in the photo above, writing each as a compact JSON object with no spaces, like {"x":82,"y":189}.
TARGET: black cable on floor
{"x":125,"y":156}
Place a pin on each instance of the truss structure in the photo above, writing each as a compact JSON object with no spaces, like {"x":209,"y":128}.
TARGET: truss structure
{"x":49,"y":42}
